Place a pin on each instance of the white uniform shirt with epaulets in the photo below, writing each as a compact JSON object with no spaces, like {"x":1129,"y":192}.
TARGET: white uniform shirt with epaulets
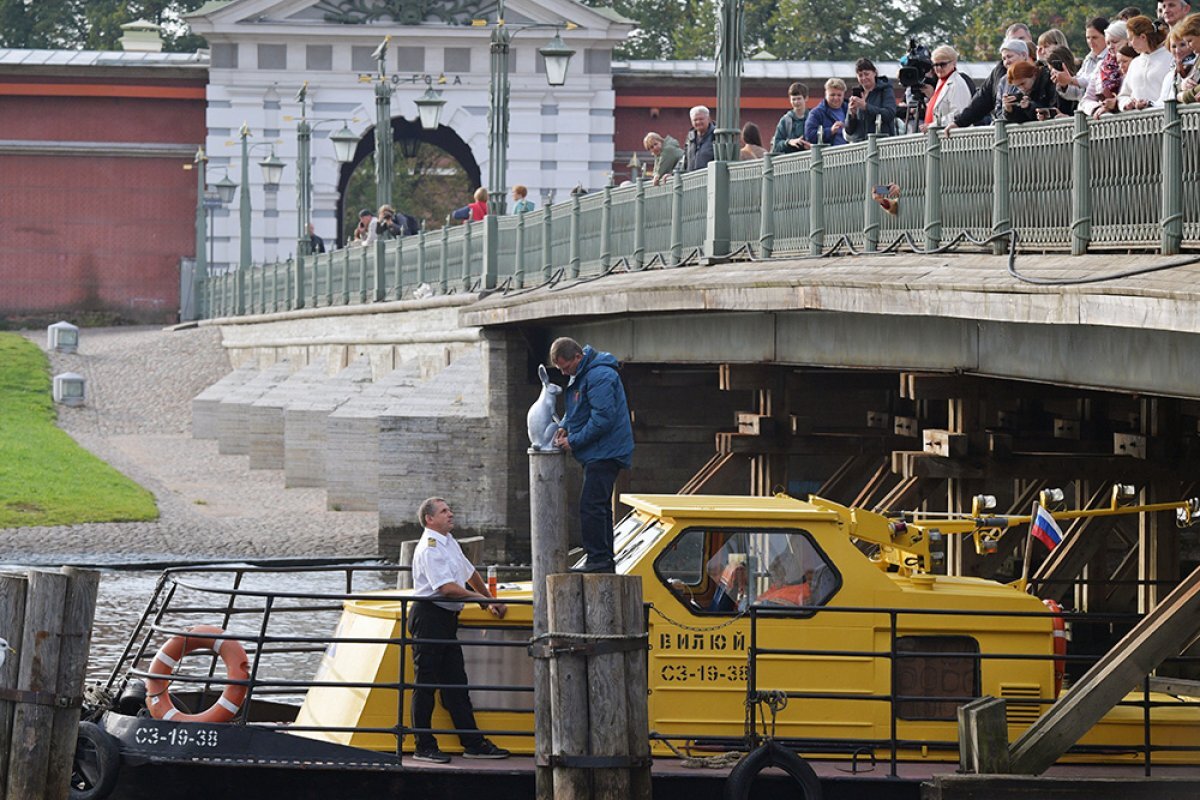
{"x":439,"y":560}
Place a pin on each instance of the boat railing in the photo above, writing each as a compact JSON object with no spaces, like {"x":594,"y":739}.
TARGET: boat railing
{"x":283,"y":633}
{"x":900,"y":696}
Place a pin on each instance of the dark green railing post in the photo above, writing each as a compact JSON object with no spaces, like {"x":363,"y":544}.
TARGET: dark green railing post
{"x":491,"y":252}
{"x":606,"y":228}
{"x":933,"y":189}
{"x":639,"y":223}
{"x":346,"y":273}
{"x":1172,"y":180}
{"x":766,"y":221}
{"x":298,"y":295}
{"x":421,"y":255}
{"x":816,"y":201}
{"x":275,"y":286}
{"x":519,"y":256}
{"x":465,"y":276}
{"x":677,"y":216}
{"x":1001,"y":188}
{"x":574,"y":249}
{"x":289,"y":290}
{"x":872,"y":221}
{"x":444,"y":267}
{"x":364,"y":269}
{"x":716,"y":231}
{"x":380,"y":275}
{"x":399,"y":284}
{"x":1081,"y":185}
{"x":547,"y":245}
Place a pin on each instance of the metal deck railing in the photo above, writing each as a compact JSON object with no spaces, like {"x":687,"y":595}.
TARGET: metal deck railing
{"x":1127,"y":182}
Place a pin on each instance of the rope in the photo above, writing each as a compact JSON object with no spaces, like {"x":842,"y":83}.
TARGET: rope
{"x":719,"y":761}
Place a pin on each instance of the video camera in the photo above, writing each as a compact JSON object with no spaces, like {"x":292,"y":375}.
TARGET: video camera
{"x":915,"y":65}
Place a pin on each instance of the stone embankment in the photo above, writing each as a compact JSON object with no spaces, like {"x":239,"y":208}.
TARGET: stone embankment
{"x":140,"y":386}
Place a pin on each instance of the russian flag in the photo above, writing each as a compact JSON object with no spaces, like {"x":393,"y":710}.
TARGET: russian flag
{"x":1045,"y":529}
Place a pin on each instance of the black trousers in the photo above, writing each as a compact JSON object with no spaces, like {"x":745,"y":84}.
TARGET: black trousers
{"x":595,"y":511}
{"x":440,"y":663}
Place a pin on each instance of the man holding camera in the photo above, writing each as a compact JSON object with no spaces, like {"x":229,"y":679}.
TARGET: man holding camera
{"x":874,"y":100}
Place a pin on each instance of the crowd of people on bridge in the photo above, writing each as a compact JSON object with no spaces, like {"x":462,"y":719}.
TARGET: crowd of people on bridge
{"x":1133,"y":62}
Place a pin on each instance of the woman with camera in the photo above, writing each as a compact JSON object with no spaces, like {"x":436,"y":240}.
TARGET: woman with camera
{"x":1029,"y":89}
{"x":1106,"y":81}
{"x":1189,"y":30}
{"x":1184,"y":72}
{"x":1143,"y":83}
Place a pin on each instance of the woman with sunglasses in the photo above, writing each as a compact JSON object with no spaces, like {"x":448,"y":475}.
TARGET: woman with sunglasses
{"x":952,"y":93}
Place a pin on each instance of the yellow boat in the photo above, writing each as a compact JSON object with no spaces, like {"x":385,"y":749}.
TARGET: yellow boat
{"x":839,"y":608}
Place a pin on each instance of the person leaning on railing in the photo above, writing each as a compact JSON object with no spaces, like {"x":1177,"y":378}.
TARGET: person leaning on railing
{"x":1029,"y":89}
{"x":1143,"y":83}
{"x":826,"y":123}
{"x":1106,"y":81}
{"x":953,"y":91}
{"x":1060,"y":65}
{"x":1074,"y":86}
{"x":1189,"y":30}
{"x":1183,"y":70}
{"x":988,"y":101}
{"x":789,"y":133}
{"x":667,"y":153}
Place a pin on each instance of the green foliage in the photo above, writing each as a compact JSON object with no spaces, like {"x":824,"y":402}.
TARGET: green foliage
{"x":987,"y":22}
{"x":429,"y":187}
{"x":45,"y":477}
{"x":92,"y":24}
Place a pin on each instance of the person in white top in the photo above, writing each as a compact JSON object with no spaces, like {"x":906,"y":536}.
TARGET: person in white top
{"x":1183,"y":70}
{"x":439,"y":569}
{"x":952,"y":93}
{"x":1074,"y":87}
{"x":1143,"y":84}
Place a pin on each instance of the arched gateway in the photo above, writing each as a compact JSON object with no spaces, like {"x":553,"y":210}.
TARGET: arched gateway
{"x":264,"y":50}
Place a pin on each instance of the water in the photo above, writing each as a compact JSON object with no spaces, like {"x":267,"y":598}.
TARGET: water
{"x":123,"y":596}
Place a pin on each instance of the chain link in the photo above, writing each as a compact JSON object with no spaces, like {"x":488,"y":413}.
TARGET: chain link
{"x":699,"y":628}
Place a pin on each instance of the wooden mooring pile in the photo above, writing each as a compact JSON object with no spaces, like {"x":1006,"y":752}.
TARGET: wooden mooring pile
{"x":46,"y":621}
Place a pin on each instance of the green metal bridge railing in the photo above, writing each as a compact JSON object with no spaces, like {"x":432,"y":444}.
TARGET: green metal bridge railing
{"x":1129,"y":182}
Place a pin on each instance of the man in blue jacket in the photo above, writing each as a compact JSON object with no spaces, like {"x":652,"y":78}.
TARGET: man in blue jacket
{"x":596,"y":430}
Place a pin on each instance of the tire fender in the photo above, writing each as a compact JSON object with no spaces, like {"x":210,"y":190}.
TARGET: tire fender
{"x":96,"y":765}
{"x":741,"y":777}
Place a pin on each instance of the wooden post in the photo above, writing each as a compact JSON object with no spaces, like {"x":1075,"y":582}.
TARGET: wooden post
{"x":568,"y":687}
{"x":12,"y":618}
{"x":79,"y":612}
{"x":638,"y":718}
{"x":38,"y":652}
{"x":548,"y":538}
{"x":983,"y":737}
{"x":607,"y":698}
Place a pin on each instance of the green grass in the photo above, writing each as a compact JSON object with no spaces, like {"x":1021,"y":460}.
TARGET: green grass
{"x":45,"y":477}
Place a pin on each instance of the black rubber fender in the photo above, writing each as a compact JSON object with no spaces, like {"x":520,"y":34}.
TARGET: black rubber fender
{"x":741,"y":777}
{"x":96,"y":765}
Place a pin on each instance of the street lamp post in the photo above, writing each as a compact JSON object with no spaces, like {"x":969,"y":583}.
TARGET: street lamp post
{"x":383,"y":129}
{"x":729,"y":79}
{"x":557,"y":56}
{"x":272,"y":169}
{"x":200,"y":272}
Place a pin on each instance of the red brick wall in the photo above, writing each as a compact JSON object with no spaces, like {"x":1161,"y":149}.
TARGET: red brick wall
{"x":96,"y":232}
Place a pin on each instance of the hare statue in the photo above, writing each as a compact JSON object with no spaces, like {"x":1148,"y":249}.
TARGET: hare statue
{"x":542,"y":420}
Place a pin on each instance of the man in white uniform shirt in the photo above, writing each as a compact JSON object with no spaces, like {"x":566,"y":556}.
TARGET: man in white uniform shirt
{"x":439,"y":569}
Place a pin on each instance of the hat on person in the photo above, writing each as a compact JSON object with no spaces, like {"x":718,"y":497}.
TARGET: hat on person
{"x":1017,"y":46}
{"x":366,"y":212}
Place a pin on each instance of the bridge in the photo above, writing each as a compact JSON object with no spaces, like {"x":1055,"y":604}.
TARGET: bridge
{"x":1026,"y":320}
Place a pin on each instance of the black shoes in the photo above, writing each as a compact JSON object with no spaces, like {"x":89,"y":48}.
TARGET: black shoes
{"x":432,"y":755}
{"x":485,"y":749}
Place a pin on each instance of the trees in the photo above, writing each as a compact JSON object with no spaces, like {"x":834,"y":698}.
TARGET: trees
{"x":92,"y":24}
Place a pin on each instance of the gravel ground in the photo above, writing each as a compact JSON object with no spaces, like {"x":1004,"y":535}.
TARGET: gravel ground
{"x":140,"y":383}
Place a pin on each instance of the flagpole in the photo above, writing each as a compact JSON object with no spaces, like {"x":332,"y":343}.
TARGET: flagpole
{"x":1028,"y":548}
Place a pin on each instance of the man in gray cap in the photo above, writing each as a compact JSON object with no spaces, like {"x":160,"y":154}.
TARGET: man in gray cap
{"x":988,"y":101}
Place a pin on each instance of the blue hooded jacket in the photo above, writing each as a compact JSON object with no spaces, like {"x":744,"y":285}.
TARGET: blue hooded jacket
{"x":597,"y":419}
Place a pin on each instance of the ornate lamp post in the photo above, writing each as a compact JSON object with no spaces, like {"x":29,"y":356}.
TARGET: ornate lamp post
{"x":384,"y":165}
{"x":200,"y":272}
{"x":344,"y":144}
{"x":272,"y":169}
{"x":557,"y":56}
{"x":729,"y":79}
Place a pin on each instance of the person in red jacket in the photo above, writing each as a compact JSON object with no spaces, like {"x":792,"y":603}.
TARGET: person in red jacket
{"x":474,"y":211}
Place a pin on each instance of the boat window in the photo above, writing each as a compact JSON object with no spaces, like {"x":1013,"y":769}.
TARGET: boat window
{"x":723,"y":571}
{"x":941,"y":671}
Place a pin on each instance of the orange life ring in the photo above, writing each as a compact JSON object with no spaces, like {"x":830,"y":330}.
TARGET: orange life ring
{"x":1060,"y":644}
{"x":200,"y":637}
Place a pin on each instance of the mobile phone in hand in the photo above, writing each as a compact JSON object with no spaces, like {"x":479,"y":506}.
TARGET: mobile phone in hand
{"x":883,"y":190}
